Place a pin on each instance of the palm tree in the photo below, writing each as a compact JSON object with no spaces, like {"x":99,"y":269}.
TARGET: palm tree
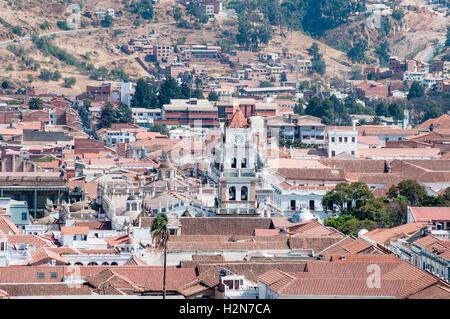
{"x":160,"y":235}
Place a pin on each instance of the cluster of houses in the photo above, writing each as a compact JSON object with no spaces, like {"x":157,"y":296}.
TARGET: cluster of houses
{"x":241,"y":178}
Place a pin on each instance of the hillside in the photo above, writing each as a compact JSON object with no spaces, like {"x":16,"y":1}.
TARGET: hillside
{"x":101,"y":46}
{"x":413,"y":36}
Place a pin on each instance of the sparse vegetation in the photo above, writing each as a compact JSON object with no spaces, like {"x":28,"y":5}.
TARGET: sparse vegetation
{"x":69,"y":82}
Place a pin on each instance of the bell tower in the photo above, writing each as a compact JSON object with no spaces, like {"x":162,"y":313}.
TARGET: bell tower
{"x":237,"y":180}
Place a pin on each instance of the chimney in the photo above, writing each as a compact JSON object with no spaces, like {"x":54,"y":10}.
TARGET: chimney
{"x":42,"y":126}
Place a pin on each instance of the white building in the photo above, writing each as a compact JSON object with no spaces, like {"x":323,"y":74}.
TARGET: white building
{"x":379,"y":8}
{"x":413,"y":76}
{"x":75,"y":237}
{"x":294,"y":199}
{"x":234,"y":286}
{"x":112,"y":137}
{"x":342,"y":141}
{"x":145,"y":117}
{"x":126,"y":92}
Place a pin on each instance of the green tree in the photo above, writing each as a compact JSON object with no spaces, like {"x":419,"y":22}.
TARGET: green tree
{"x":409,"y":189}
{"x":213,"y":96}
{"x":107,"y":21}
{"x":385,"y":27}
{"x":36,"y":103}
{"x":56,"y":76}
{"x":415,"y":91}
{"x":100,"y":73}
{"x":433,"y":109}
{"x":314,"y":49}
{"x":447,"y":40}
{"x":396,"y":111}
{"x":45,"y":75}
{"x":125,"y":113}
{"x":119,"y":73}
{"x":107,"y":116}
{"x":145,"y":95}
{"x":160,"y":236}
{"x":63,"y":25}
{"x":169,"y":90}
{"x":17,"y":30}
{"x":372,"y":76}
{"x":358,"y":52}
{"x":398,"y":14}
{"x":383,"y":52}
{"x":144,"y":8}
{"x":177,"y":13}
{"x":159,"y":128}
{"x":317,"y":63}
{"x":5,"y":84}
{"x":69,"y":82}
{"x":45,"y":25}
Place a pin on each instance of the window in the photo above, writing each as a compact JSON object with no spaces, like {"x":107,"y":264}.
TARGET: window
{"x":340,"y":139}
{"x":333,"y":153}
{"x":232,"y":193}
{"x":40,"y":275}
{"x":292,"y":204}
{"x":353,"y":152}
{"x":53,"y":275}
{"x":332,"y":140}
{"x":24,"y":216}
{"x":244,"y":163}
{"x":228,"y":283}
{"x":311,"y":204}
{"x":244,"y":193}
{"x":353,"y":140}
{"x":345,"y":139}
{"x":233,"y":162}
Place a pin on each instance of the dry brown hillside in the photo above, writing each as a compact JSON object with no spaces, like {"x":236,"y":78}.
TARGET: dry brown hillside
{"x":103,"y":45}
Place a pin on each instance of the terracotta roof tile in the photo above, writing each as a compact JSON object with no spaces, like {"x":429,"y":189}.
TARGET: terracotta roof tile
{"x":238,"y":120}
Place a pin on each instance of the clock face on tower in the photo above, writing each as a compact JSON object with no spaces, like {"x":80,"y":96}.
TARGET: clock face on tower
{"x":239,"y":140}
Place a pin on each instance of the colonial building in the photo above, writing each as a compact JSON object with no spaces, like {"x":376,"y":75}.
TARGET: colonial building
{"x":236,"y":163}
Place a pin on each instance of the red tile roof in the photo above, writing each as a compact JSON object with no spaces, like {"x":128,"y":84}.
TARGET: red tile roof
{"x":267,"y":232}
{"x":238,"y":120}
{"x":36,"y":241}
{"x":384,"y":235}
{"x":76,"y":230}
{"x":7,"y":226}
{"x":427,"y":214}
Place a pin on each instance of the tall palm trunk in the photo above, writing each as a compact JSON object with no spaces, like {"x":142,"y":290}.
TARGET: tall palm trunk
{"x":164,"y":277}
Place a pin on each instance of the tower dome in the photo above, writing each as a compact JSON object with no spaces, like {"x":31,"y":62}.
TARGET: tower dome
{"x":303,"y":216}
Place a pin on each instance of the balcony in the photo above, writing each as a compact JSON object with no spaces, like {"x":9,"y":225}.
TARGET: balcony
{"x":238,"y":173}
{"x":237,"y":211}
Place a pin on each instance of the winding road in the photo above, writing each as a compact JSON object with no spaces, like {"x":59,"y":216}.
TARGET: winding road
{"x":58,"y":33}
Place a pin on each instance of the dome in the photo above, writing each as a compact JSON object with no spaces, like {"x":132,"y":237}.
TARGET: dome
{"x":77,"y":206}
{"x":303,"y":216}
{"x":132,"y":197}
{"x":167,"y":164}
